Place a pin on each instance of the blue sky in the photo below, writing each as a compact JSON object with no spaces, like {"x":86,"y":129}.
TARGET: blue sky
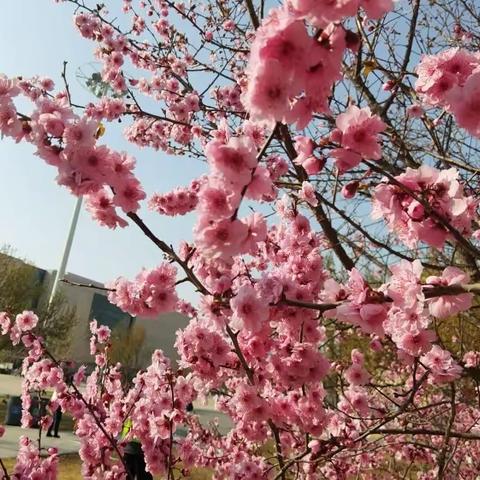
{"x":35,"y":38}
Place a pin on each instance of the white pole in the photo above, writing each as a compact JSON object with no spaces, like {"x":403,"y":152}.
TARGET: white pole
{"x":66,"y":251}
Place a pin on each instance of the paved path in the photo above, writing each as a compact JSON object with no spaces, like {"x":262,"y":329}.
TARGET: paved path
{"x":208,"y":416}
{"x":10,"y":384}
{"x":67,"y":443}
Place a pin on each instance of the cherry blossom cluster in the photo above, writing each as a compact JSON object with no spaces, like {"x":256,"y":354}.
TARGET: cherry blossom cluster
{"x":69,"y":143}
{"x":235,"y":173}
{"x":204,"y":351}
{"x":151,"y":292}
{"x":320,"y":16}
{"x":285,"y":61}
{"x":114,"y":44}
{"x":357,"y":133}
{"x":30,"y":464}
{"x":420,"y":201}
{"x":114,"y":50}
{"x":291,"y":73}
{"x":308,"y":350}
{"x":158,"y":400}
{"x":451,"y":80}
{"x":179,"y":201}
{"x":409,"y":318}
{"x":106,"y":109}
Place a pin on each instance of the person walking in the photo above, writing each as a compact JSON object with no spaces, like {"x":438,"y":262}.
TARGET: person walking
{"x":134,"y":457}
{"x":57,"y":418}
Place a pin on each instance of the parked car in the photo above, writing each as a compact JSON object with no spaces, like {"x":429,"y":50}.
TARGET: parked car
{"x":13,"y":415}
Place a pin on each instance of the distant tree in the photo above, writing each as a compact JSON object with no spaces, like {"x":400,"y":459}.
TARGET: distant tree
{"x":22,"y":289}
{"x":19,"y":285}
{"x":126,"y":346}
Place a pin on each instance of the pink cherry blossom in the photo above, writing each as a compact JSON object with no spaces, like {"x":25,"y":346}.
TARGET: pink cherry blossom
{"x":26,"y":321}
{"x":447,"y":305}
{"x":441,"y":364}
{"x":360,"y":129}
{"x":249,"y":312}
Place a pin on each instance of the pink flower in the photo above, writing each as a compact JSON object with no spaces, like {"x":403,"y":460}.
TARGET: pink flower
{"x":356,"y":374}
{"x":345,"y":159}
{"x":267,"y":97}
{"x":128,"y":193}
{"x":320,"y":12}
{"x":261,"y":186}
{"x":376,"y":8}
{"x":5,"y":323}
{"x":222,"y":238}
{"x":407,"y":216}
{"x":439,"y":74}
{"x":249,"y":311}
{"x":257,"y":232}
{"x":357,"y":399}
{"x":103,"y":333}
{"x":26,"y":321}
{"x":360,"y":131}
{"x":448,"y":305}
{"x":441,"y":364}
{"x":415,"y":111}
{"x":416,"y":342}
{"x":472,"y":359}
{"x":81,"y":133}
{"x":101,"y":208}
{"x":349,"y":190}
{"x":464,"y":104}
{"x":177,"y":202}
{"x":371,"y":319}
{"x":307,"y":193}
{"x":152,"y":292}
{"x":305,"y":158}
{"x":234,"y":160}
{"x":216,"y":201}
{"x":404,"y":286}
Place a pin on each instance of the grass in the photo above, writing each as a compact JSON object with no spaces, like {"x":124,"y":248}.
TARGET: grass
{"x":70,"y":467}
{"x":70,"y":464}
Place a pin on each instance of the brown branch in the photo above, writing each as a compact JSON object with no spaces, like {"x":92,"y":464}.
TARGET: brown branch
{"x":369,"y":237}
{"x":67,"y":87}
{"x":252,"y":13}
{"x":169,"y":251}
{"x":241,"y":357}
{"x":87,"y":285}
{"x":278,"y":447}
{"x":320,"y":214}
{"x":448,"y":433}
{"x":427,"y":431}
{"x":5,"y":472}
{"x":260,"y":154}
{"x":408,"y":52}
{"x":429,"y":210}
{"x":429,"y":292}
{"x":332,"y":237}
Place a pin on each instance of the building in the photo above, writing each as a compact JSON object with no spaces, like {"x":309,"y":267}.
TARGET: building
{"x":92,"y":303}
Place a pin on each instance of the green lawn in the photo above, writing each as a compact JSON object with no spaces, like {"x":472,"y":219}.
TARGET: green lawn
{"x":70,"y":467}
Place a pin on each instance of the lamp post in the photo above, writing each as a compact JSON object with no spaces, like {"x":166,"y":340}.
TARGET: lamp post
{"x":66,"y":251}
